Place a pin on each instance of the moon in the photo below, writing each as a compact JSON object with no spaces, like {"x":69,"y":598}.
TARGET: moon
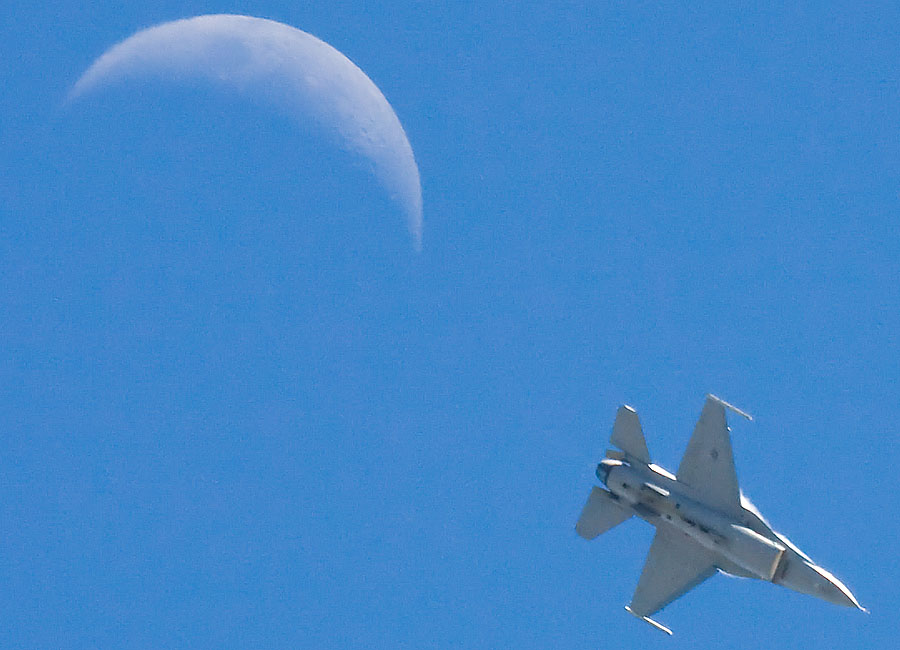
{"x":285,"y":68}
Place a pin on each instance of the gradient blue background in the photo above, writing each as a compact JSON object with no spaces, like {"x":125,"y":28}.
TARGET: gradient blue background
{"x":237,"y":410}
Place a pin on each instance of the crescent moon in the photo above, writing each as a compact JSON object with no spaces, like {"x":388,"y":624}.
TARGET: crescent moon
{"x":284,"y":67}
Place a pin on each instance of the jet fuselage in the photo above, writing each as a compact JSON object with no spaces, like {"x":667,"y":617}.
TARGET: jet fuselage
{"x":743,"y":542}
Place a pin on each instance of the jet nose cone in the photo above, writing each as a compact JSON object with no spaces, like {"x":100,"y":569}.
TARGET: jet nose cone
{"x":835,"y":591}
{"x":840,"y":595}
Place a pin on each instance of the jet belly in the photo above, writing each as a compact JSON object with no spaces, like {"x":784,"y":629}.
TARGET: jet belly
{"x":736,"y":544}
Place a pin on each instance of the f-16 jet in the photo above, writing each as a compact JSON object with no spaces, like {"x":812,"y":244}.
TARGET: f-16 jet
{"x":703,"y":522}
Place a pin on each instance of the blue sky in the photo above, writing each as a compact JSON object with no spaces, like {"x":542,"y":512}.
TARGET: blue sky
{"x":240,"y":410}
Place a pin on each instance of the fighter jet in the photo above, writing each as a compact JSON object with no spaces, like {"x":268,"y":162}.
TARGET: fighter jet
{"x":703,"y":522}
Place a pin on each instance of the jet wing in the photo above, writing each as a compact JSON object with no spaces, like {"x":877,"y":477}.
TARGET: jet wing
{"x":674,"y":566}
{"x":708,"y":464}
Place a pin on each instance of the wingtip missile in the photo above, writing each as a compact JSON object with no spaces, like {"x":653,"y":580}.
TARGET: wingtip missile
{"x":730,"y":407}
{"x":647,"y":619}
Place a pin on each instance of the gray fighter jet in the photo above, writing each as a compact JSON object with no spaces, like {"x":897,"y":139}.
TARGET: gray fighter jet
{"x":703,"y":522}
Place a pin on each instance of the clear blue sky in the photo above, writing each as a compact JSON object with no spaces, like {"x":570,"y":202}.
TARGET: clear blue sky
{"x":238,"y":410}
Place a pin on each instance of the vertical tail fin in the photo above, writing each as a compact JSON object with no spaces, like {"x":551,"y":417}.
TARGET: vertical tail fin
{"x":628,"y":436}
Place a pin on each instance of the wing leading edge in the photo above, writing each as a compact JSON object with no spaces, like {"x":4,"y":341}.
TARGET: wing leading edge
{"x":674,"y":566}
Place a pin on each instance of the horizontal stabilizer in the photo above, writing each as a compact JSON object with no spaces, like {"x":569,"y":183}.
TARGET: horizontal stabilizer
{"x":600,"y":513}
{"x":628,"y":436}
